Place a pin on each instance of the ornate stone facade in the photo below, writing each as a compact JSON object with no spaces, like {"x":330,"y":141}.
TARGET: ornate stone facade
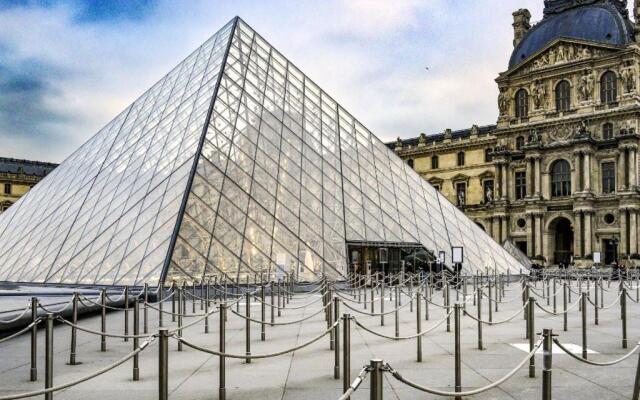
{"x":558,"y":174}
{"x":17,"y":177}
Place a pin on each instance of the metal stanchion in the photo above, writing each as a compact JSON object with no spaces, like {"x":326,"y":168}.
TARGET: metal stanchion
{"x":381,"y":303}
{"x":263,"y":336}
{"x":457,"y":353}
{"x":193,"y":297}
{"x":145,"y":318}
{"x":375,"y":365}
{"x":136,"y":331}
{"x":531,"y":328}
{"x":346,"y":352}
{"x":202,"y":298}
{"x":397,"y":312}
{"x":330,"y":321}
{"x":446,"y":303}
{"x":273,"y":319}
{"x":623,"y":310}
{"x":336,"y":334}
{"x":247,"y":328}
{"x":583,"y":302}
{"x":279,"y":297}
{"x":555,"y":296}
{"x":489,"y":302}
{"x":180,"y":312}
{"x":206,"y":309}
{"x":479,"y":306}
{"x":160,"y":302}
{"x":564,"y":304}
{"x":373,"y":295}
{"x":426,"y":301}
{"x":163,"y":364}
{"x":636,"y":383}
{"x":103,"y":319}
{"x":48,"y":362}
{"x":74,"y":332}
{"x":595,"y":305}
{"x":174,"y":296}
{"x":222,"y":390}
{"x":418,"y":327}
{"x":126,"y":312}
{"x":547,"y":357}
{"x":34,"y":340}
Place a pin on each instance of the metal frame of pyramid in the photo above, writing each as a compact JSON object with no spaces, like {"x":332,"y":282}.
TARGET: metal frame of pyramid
{"x":234,"y":164}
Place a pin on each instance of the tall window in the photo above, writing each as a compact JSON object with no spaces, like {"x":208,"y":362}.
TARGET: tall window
{"x":488,"y":191}
{"x":488,"y":155}
{"x":607,"y":131}
{"x":461,"y":193}
{"x":608,"y":177}
{"x":410,"y":162}
{"x":560,"y":179}
{"x":519,"y":142}
{"x":7,"y":188}
{"x":521,"y":185}
{"x":522,"y":104}
{"x":563,"y":96}
{"x":608,"y":87}
{"x":434,"y":162}
{"x":461,"y":158}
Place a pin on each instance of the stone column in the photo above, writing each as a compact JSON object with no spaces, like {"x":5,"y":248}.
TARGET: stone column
{"x":538,"y":178}
{"x":633,"y":166}
{"x":633,"y":231}
{"x":586,"y":168}
{"x":539,"y":230}
{"x":623,"y":248}
{"x":575,"y":175}
{"x":505,"y":179}
{"x":505,"y":230}
{"x":530,"y":174}
{"x":530,"y":229}
{"x":503,"y":185}
{"x":577,"y":234}
{"x":496,"y":229}
{"x":587,"y":234}
{"x":622,"y":181}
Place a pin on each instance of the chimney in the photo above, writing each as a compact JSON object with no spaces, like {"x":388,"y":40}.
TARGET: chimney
{"x":521,"y":24}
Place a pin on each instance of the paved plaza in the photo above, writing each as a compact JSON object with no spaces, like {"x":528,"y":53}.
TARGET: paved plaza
{"x":308,"y":373}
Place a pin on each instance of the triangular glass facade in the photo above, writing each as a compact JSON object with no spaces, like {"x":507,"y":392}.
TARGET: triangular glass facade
{"x":235,"y":163}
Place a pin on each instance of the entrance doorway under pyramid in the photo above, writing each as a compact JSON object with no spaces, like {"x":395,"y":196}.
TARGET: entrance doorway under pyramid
{"x":234,"y":164}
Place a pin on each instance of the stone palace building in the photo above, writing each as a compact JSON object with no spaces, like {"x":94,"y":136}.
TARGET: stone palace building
{"x":17,"y":177}
{"x":558,"y":174}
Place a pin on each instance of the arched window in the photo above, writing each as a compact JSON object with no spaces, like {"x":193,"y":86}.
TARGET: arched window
{"x":410,"y":162}
{"x":519,"y":142}
{"x":461,"y":159}
{"x":522,"y":104}
{"x":607,"y":131}
{"x":608,"y":87}
{"x":560,"y":178}
{"x":434,"y":162}
{"x":563,"y":96}
{"x":488,"y":155}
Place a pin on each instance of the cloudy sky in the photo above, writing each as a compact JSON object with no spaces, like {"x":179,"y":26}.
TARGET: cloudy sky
{"x":67,"y":67}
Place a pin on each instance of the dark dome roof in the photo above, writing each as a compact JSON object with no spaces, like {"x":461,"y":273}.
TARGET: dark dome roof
{"x":596,"y":22}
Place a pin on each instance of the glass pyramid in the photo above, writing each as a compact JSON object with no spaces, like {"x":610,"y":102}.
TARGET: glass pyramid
{"x":234,"y":163}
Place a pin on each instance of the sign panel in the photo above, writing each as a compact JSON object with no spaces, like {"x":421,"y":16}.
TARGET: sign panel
{"x":456,"y":254}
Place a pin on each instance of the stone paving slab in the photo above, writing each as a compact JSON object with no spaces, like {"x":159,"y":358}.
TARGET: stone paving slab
{"x":308,"y":373}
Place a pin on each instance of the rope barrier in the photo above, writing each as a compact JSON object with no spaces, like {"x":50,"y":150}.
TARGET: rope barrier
{"x":403,"y":337}
{"x":8,"y":321}
{"x":257,"y":356}
{"x":99,"y":333}
{"x":355,"y":384}
{"x":99,"y":372}
{"x":500,"y":381}
{"x":597,"y":364}
{"x":21,"y":331}
{"x":257,"y":321}
{"x":495,"y":322}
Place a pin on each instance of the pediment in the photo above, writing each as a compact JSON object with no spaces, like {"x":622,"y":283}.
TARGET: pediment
{"x":563,"y":51}
{"x":486,"y":174}
{"x":435,"y":180}
{"x":460,"y":177}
